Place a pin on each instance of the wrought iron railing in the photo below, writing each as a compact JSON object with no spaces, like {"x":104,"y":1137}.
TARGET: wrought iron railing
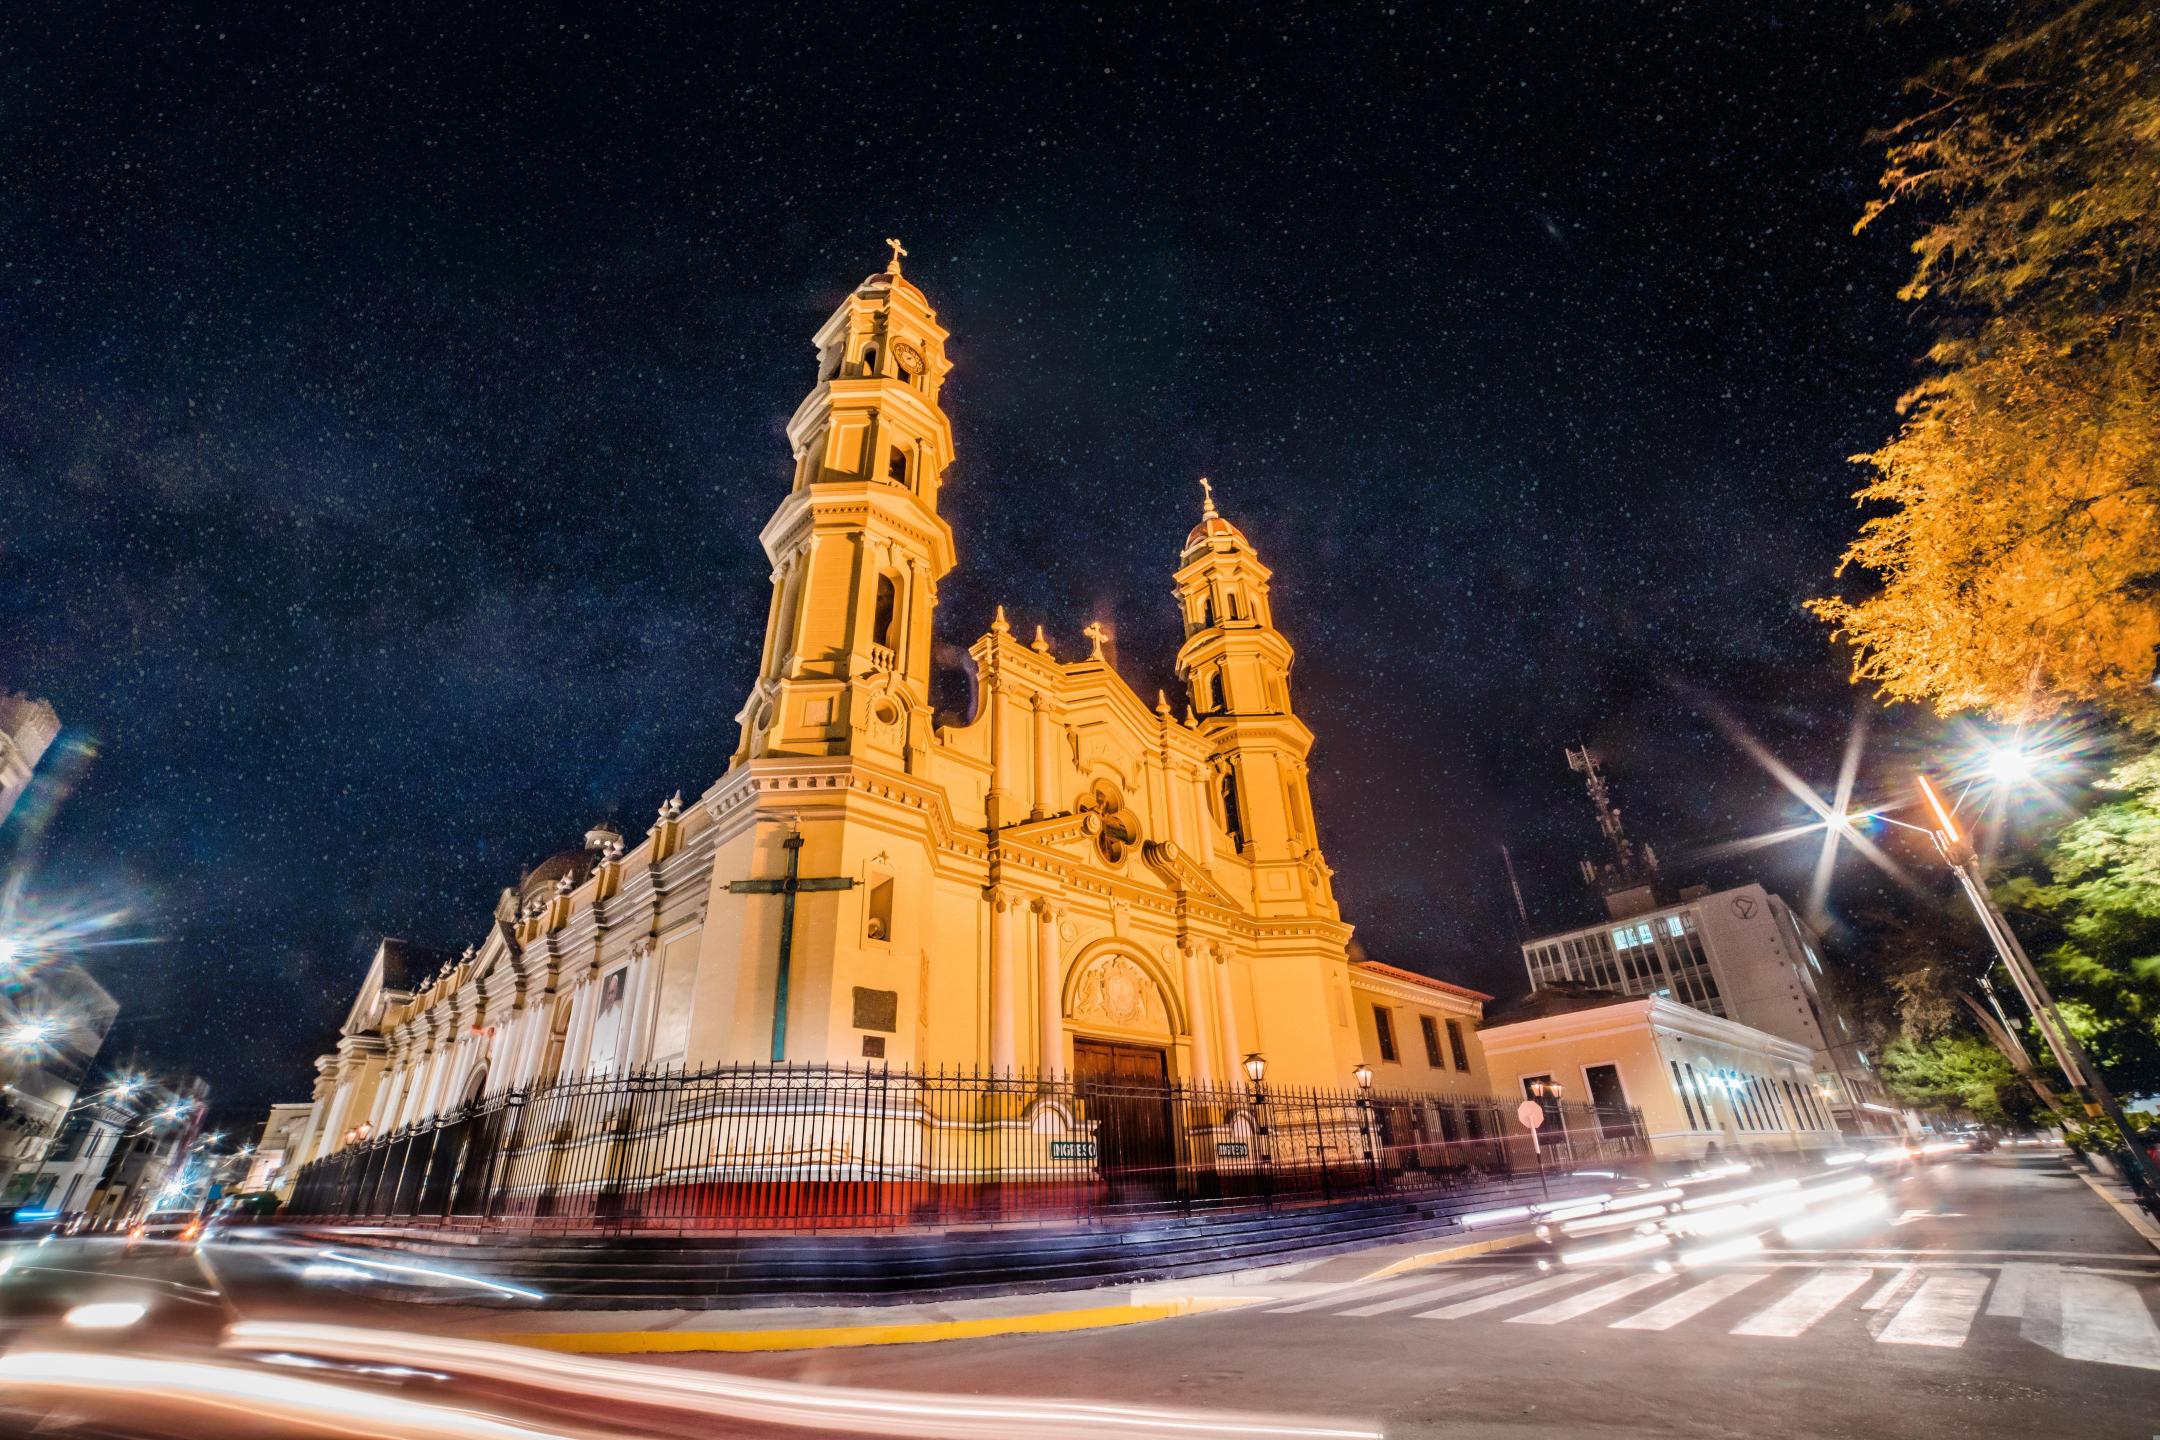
{"x":796,"y":1146}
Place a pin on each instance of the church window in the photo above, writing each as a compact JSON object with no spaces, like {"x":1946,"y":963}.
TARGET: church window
{"x":1233,"y":822}
{"x":1237,"y":611}
{"x":1383,"y":1020}
{"x":878,"y":922}
{"x":1207,"y":611}
{"x":869,"y":360}
{"x":881,"y":619}
{"x":907,"y":376}
{"x":1431,"y":1030}
{"x":1211,"y":697}
{"x":896,"y":466}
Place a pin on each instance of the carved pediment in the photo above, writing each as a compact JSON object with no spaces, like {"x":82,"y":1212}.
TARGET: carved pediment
{"x":1114,"y":990}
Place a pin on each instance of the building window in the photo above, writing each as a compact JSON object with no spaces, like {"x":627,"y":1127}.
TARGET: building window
{"x":1458,"y":1044}
{"x":1431,"y":1029}
{"x":881,"y":618}
{"x":869,"y":360}
{"x":1384,"y":1025}
{"x":896,"y":466}
{"x":1211,"y":699}
{"x":877,"y":922}
{"x":1233,"y":822}
{"x":1687,"y":1101}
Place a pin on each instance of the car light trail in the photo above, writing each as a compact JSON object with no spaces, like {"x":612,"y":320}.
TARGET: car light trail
{"x":339,"y":1257}
{"x":1618,"y":1250}
{"x":259,"y":1394}
{"x":1730,"y":1197}
{"x":1856,"y":1212}
{"x":1724,"y":1250}
{"x":775,"y":1402}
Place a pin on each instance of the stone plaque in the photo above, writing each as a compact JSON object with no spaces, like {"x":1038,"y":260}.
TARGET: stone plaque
{"x":877,"y":1010}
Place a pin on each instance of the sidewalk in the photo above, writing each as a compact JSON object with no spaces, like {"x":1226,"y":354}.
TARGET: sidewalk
{"x":2124,"y":1201}
{"x":634,"y":1332}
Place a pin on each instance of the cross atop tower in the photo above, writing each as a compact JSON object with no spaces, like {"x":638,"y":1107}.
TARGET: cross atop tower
{"x":1207,"y":503}
{"x":1096,"y":635}
{"x":898,"y":250}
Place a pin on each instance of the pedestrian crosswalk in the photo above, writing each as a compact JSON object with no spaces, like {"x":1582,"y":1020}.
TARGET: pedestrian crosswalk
{"x":2090,"y":1313}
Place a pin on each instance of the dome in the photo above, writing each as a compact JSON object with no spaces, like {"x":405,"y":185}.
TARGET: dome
{"x":885,"y":279}
{"x":1214,"y":527}
{"x":539,"y":882}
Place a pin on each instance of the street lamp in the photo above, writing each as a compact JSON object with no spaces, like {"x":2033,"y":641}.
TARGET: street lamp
{"x":1256,"y":1071}
{"x":1362,"y":1073}
{"x":2010,"y":764}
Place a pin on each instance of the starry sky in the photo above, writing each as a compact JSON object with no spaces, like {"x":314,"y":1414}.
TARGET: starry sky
{"x":389,"y":400}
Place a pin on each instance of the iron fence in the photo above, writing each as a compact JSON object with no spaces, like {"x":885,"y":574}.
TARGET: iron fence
{"x":814,"y":1146}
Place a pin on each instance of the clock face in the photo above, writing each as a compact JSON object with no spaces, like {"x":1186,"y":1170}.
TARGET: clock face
{"x":909,"y":356}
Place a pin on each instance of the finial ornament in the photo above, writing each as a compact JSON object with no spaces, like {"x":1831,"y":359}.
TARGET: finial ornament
{"x":1000,"y":625}
{"x":1096,"y":635}
{"x":1041,"y":645}
{"x":1207,"y":502}
{"x":898,"y":250}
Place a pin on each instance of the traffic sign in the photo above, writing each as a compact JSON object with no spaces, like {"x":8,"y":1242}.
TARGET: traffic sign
{"x":1530,"y":1115}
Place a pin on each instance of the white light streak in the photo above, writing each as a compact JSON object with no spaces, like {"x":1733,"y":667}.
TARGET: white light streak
{"x":773,"y":1402}
{"x":106,"y":1315}
{"x":1724,"y":1250}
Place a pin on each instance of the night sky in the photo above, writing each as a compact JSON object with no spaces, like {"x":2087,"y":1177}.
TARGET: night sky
{"x":389,"y":400}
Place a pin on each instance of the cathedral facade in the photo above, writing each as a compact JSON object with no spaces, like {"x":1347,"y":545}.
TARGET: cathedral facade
{"x":1077,"y":881}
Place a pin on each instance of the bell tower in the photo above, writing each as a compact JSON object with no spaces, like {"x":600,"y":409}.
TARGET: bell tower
{"x":1236,"y":669}
{"x":858,"y":546}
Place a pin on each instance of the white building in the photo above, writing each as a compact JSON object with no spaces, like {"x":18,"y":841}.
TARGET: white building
{"x":1704,"y":1084}
{"x":1740,"y":954}
{"x":276,"y":1149}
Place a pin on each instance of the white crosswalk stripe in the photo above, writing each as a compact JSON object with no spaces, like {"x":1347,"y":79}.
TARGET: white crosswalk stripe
{"x":2080,"y":1313}
{"x":1799,"y":1310}
{"x":1575,"y":1306}
{"x":1336,"y":1297}
{"x":1691,"y":1302}
{"x":1502,"y":1298}
{"x":1429,"y":1293}
{"x":2106,"y":1320}
{"x":1940,"y":1312}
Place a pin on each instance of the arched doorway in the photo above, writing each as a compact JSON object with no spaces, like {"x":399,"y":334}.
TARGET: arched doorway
{"x":1124,"y":1021}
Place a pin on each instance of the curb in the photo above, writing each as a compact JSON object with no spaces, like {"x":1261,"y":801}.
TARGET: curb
{"x":1425,"y":1258}
{"x":828,"y":1337}
{"x":2132,"y":1216}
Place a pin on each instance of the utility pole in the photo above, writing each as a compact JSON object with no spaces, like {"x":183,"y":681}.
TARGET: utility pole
{"x":2077,"y":1067}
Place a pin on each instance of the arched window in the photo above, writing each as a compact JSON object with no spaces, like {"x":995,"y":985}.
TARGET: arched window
{"x":1236,"y":611}
{"x":869,"y":360}
{"x":1211,"y":700}
{"x":1207,"y":611}
{"x":896,"y":466}
{"x":881,"y":619}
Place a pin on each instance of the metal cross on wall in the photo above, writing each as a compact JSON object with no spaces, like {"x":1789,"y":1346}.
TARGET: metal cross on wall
{"x":787,"y":887}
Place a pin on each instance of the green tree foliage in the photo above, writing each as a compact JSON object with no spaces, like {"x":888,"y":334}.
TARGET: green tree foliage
{"x":1956,"y":1069}
{"x":2017,"y":544}
{"x":2096,"y":910}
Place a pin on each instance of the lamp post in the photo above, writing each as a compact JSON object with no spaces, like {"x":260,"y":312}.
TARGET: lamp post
{"x":1363,"y":1075}
{"x":1256,"y":1072}
{"x":1958,"y":853}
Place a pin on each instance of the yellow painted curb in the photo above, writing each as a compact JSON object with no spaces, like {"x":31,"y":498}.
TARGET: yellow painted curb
{"x":824,"y":1337}
{"x":1427,"y":1258}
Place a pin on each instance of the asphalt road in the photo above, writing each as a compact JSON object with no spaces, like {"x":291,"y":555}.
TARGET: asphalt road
{"x":1998,"y":1297}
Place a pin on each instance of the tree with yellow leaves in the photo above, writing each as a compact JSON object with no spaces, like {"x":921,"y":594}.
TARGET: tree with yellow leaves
{"x":2019,"y":557}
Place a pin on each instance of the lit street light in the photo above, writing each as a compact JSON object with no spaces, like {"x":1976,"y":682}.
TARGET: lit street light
{"x":2011,"y":765}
